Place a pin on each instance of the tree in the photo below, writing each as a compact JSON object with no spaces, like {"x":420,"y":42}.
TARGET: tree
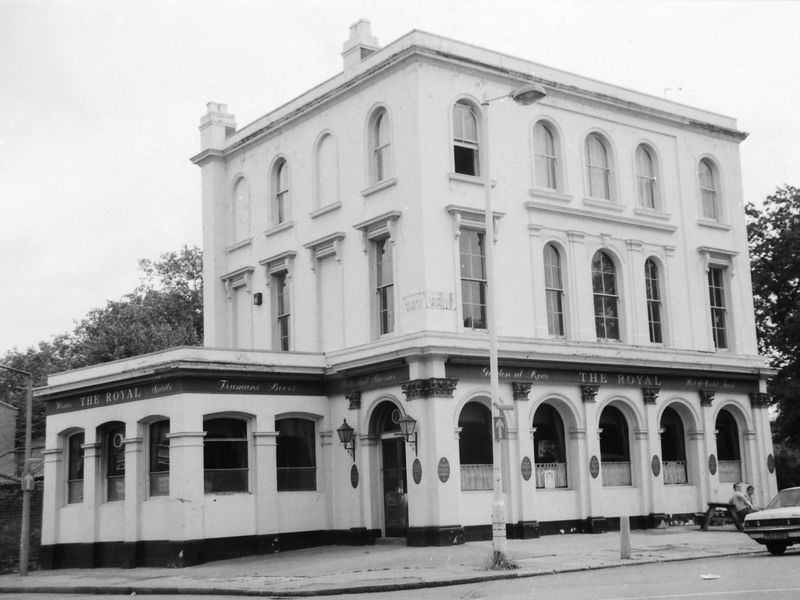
{"x":165,"y":310}
{"x":774,"y":238}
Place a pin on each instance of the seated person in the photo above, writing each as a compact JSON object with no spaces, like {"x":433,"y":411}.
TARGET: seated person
{"x":741,"y":503}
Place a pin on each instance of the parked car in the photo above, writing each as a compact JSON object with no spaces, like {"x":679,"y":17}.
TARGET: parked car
{"x":778,"y":525}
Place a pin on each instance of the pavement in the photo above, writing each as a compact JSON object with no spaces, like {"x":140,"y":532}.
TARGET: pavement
{"x":331,"y":570}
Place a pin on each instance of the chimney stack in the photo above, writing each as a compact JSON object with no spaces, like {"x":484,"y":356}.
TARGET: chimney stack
{"x":360,"y":45}
{"x":216,"y":125}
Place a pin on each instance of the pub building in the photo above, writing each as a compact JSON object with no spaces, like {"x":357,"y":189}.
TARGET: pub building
{"x":342,"y":394}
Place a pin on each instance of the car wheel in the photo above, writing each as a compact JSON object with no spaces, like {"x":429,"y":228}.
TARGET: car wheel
{"x":776,"y":549}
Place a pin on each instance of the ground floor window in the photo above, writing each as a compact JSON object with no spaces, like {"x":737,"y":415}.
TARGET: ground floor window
{"x":475,"y":447}
{"x":159,"y":458}
{"x":550,"y":450}
{"x":113,"y":436}
{"x":225,"y":455}
{"x":75,"y":468}
{"x":296,"y":455}
{"x":728,"y":452}
{"x":673,"y":447}
{"x":615,"y":454}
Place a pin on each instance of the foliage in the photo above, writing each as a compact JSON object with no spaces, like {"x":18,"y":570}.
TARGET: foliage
{"x":774,"y":238}
{"x":787,"y":465}
{"x":165,"y":310}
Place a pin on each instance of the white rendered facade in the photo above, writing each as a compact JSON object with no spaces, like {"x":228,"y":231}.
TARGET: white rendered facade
{"x":344,"y":277}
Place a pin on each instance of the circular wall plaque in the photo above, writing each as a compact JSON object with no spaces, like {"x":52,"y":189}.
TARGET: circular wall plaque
{"x":594,"y":467}
{"x":656,"y":466}
{"x":712,"y":464}
{"x":527,"y":468}
{"x":771,"y":463}
{"x":354,"y":476}
{"x":444,"y":470}
{"x":416,"y":471}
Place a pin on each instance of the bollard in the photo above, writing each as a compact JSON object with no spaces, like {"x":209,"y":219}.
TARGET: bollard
{"x":624,"y":537}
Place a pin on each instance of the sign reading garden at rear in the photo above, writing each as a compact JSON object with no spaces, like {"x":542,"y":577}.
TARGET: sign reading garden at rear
{"x":191,"y":385}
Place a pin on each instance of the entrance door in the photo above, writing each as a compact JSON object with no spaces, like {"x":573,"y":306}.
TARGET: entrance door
{"x":395,"y":503}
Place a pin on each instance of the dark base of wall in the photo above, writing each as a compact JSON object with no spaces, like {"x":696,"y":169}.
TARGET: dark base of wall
{"x":163,"y":553}
{"x":449,"y":535}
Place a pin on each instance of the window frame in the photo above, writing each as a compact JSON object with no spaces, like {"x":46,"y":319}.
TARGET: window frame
{"x":604,"y":171}
{"x":708,"y":181}
{"x":554,"y":291}
{"x":647,"y":192}
{"x":654,"y":300}
{"x":468,"y":277}
{"x":624,"y":427}
{"x":475,"y":444}
{"x":112,"y":436}
{"x":74,"y":443}
{"x":384,"y":309}
{"x":155,"y":449}
{"x":281,"y":189}
{"x":307,"y":484}
{"x":466,"y":149}
{"x":546,"y":163}
{"x":380,"y":147}
{"x":717,"y":282}
{"x":608,"y":298}
{"x":242,"y":443}
{"x":281,"y":310}
{"x":544,"y":411}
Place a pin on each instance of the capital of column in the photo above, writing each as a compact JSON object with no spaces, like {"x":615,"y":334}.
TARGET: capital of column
{"x":589,"y":392}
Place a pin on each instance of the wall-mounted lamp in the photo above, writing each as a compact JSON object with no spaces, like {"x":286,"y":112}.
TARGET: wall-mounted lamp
{"x":408,"y":425}
{"x":347,"y":438}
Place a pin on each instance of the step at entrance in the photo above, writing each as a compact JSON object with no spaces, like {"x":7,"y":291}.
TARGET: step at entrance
{"x":390,"y":541}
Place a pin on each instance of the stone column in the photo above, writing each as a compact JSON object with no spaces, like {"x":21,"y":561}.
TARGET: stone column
{"x":266,"y":489}
{"x":134,"y":495}
{"x":186,"y":485}
{"x":594,"y":493}
{"x":656,"y":502}
{"x":54,"y":496}
{"x":92,"y":485}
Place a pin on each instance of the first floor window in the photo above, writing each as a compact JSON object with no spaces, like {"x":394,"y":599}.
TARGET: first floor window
{"x":384,"y":285}
{"x":158,"y":448}
{"x":606,"y":300}
{"x":225,"y":455}
{"x":465,"y":139}
{"x":719,"y":312}
{"x":114,"y":453}
{"x":296,"y":455}
{"x":554,"y":291}
{"x":473,"y":278}
{"x":653,"y":290}
{"x":281,"y":310}
{"x":75,"y":468}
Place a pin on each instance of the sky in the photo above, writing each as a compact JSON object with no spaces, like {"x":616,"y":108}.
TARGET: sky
{"x":100,"y":101}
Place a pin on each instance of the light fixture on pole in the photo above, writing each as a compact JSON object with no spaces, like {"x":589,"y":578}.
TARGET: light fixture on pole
{"x":27,"y":473}
{"x":347,"y":438}
{"x":408,"y":425}
{"x":524,"y":95}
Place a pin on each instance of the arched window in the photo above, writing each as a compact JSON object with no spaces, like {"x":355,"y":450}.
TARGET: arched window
{"x":465,"y":139}
{"x":709,"y":190}
{"x":653,"y":291}
{"x":545,"y":160}
{"x":112,"y":438}
{"x":225,"y":457}
{"x":475,"y":447}
{"x":599,"y":167}
{"x":550,"y":450}
{"x":240,"y":217}
{"x":327,"y":183}
{"x":296,"y":455}
{"x":730,"y":459}
{"x":380,"y":147}
{"x":606,"y":298}
{"x":74,"y":445}
{"x":281,"y":208}
{"x":554,"y":290}
{"x":158,"y":450}
{"x":645,"y":177}
{"x":615,"y":452}
{"x":673,"y":447}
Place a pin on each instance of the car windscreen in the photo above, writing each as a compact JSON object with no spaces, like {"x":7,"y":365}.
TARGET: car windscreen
{"x":785,"y":498}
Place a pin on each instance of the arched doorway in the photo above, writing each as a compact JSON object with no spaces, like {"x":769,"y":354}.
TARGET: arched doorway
{"x":392,"y":460}
{"x":673,"y":447}
{"x":728,"y":452}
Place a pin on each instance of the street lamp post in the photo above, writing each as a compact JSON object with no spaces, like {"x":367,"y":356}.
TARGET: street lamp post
{"x":27,"y":473}
{"x":525,"y":95}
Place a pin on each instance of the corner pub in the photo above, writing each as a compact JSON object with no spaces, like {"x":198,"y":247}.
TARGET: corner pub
{"x":343,"y":394}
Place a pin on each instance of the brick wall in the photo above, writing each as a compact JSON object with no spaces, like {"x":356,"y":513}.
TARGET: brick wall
{"x":10,"y":523}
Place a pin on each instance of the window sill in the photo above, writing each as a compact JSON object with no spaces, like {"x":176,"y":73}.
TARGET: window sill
{"x":325,"y":210}
{"x":555,"y":489}
{"x":548,"y":194}
{"x":237,"y":493}
{"x":239,"y":245}
{"x":470,"y":179}
{"x":652,"y":213}
{"x":603,"y":203}
{"x":377,"y":187}
{"x":713,"y":224}
{"x":278,"y":228}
